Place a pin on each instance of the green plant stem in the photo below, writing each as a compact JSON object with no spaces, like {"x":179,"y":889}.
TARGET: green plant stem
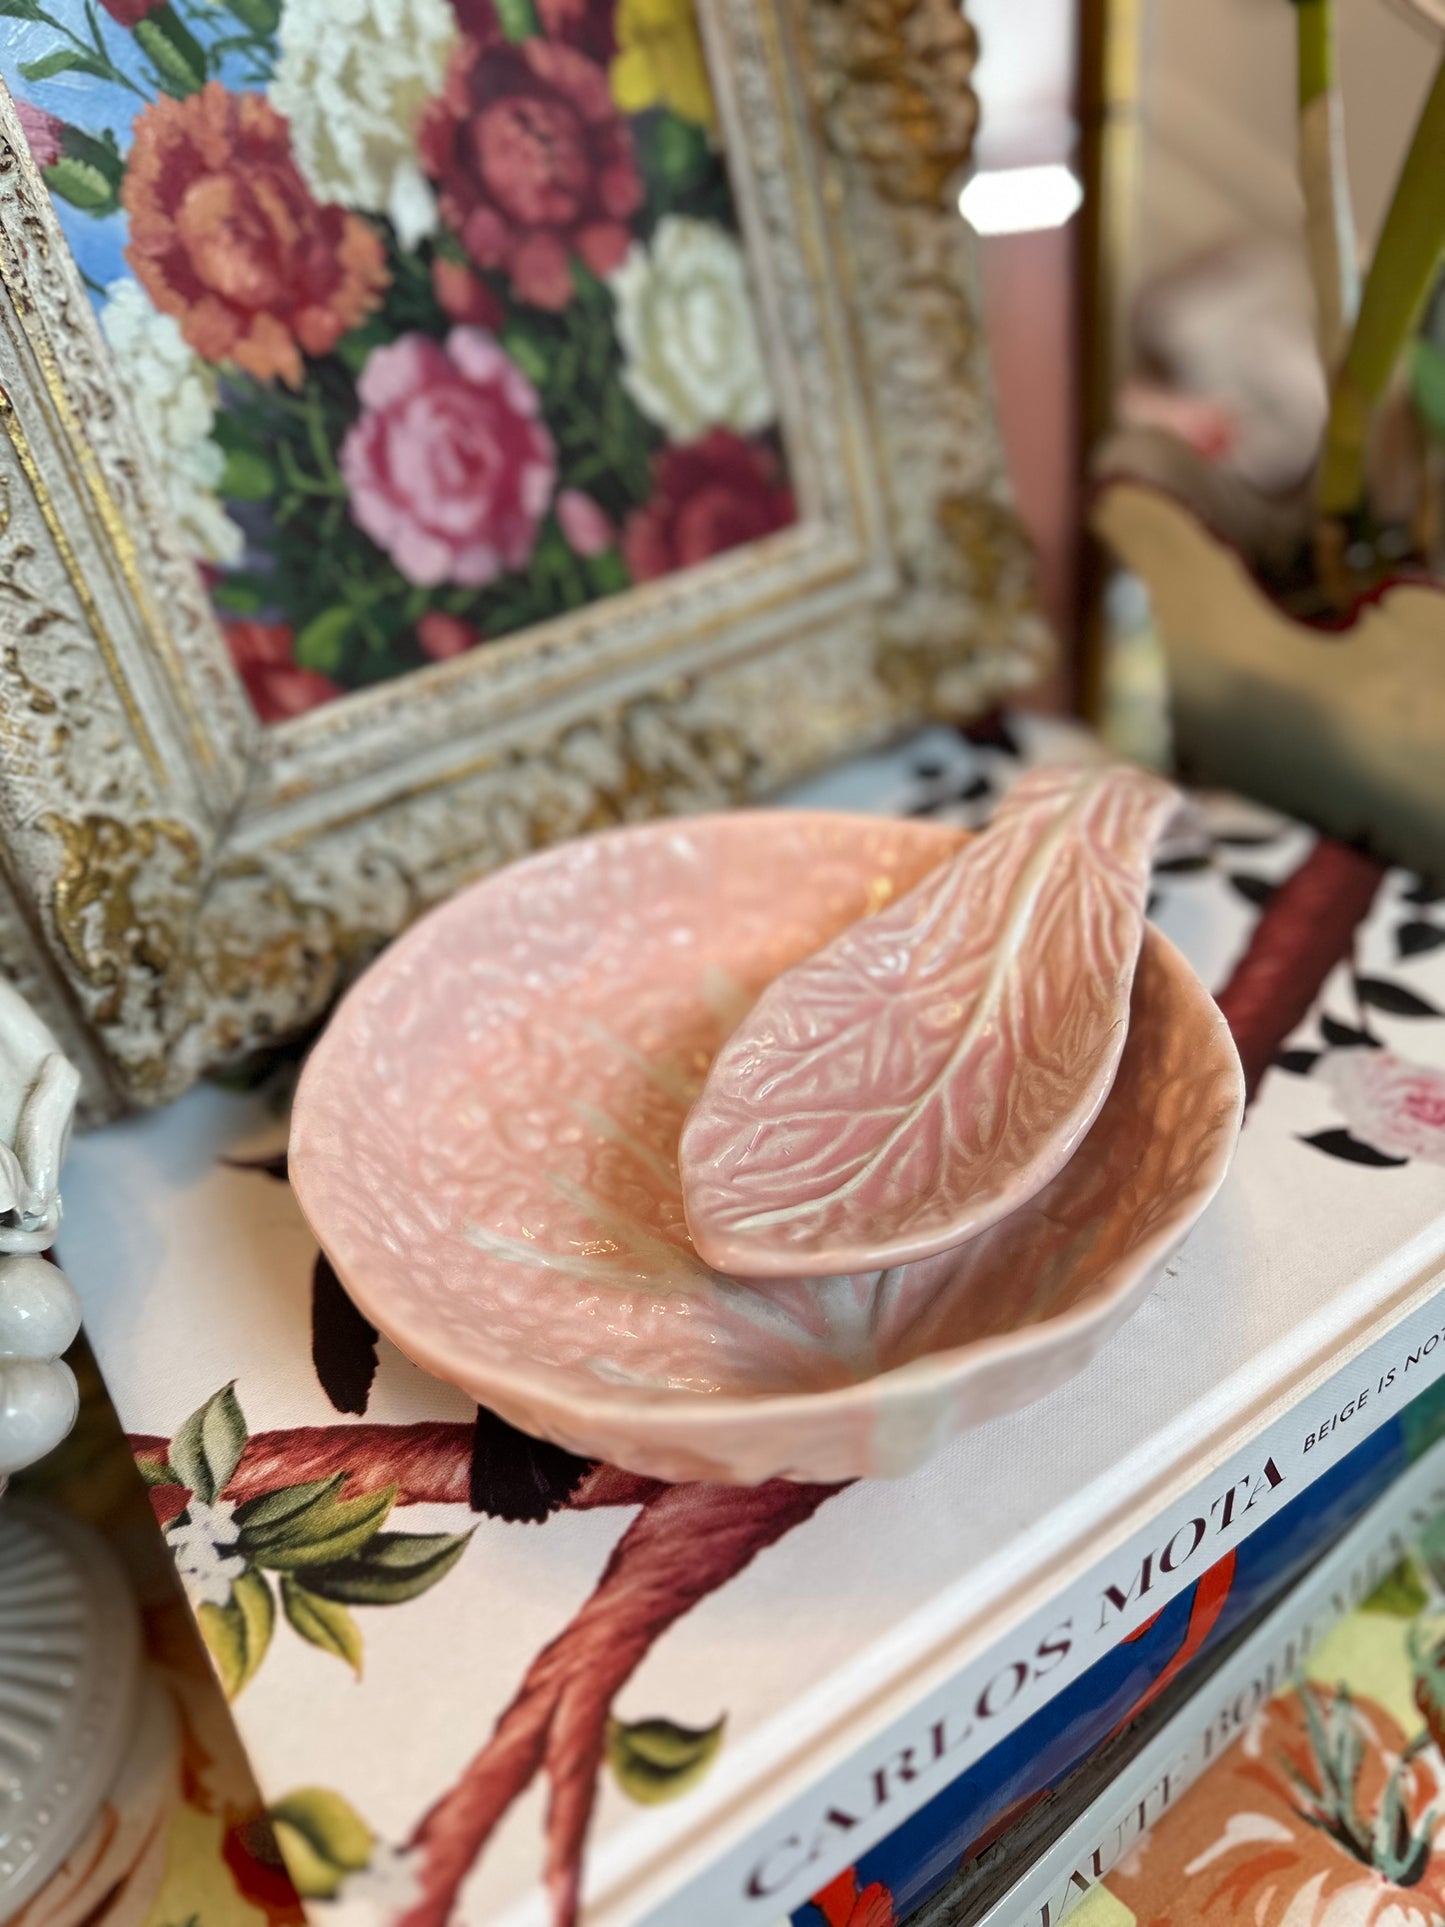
{"x":93,"y":48}
{"x":1324,"y":181}
{"x":1399,"y":280}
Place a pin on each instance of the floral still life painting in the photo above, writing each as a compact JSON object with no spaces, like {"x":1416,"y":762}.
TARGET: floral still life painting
{"x":434,"y":315}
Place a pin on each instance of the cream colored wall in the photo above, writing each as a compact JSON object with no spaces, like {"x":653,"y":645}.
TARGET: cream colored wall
{"x":1217,"y":156}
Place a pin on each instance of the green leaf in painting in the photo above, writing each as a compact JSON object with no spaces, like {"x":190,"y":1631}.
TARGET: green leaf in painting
{"x":324,"y":1531}
{"x":529,"y":357}
{"x":83,"y":186}
{"x":319,"y":644}
{"x":517,"y":18}
{"x":247,"y":477}
{"x":394,"y":1567}
{"x":323,"y":1622}
{"x":677,"y":150}
{"x":238,"y":1633}
{"x":237,"y":593}
{"x":178,"y":56}
{"x":208,"y":1447}
{"x":322,"y":1839}
{"x":261,"y":16}
{"x":608,"y":573}
{"x":64,"y":60}
{"x":87,"y":172}
{"x":656,"y":1760}
{"x":1401,"y":1593}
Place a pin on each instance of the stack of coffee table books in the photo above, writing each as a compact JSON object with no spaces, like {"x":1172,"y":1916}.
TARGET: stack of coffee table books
{"x":795,"y":1702}
{"x":1299,"y":1780}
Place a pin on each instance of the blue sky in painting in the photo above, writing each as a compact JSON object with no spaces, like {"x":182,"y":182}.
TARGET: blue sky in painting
{"x":93,"y":104}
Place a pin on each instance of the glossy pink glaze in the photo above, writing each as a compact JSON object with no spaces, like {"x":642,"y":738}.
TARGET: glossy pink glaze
{"x":930,"y":1069}
{"x":485,"y":1142}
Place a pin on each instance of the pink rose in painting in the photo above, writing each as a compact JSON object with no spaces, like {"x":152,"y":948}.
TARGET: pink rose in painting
{"x":450,"y":467}
{"x":277,"y":685}
{"x":533,"y":164}
{"x":586,"y":525}
{"x":1396,"y":1106}
{"x":42,"y":132}
{"x":442,"y":636}
{"x":129,"y":13}
{"x":708,"y":496}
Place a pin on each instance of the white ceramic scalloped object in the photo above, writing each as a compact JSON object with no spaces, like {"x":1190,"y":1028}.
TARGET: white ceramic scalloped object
{"x":934,"y":1066}
{"x":485,"y":1143}
{"x":69,"y":1673}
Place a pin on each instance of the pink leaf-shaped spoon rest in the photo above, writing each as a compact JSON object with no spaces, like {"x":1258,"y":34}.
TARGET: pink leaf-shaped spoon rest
{"x":931,"y":1068}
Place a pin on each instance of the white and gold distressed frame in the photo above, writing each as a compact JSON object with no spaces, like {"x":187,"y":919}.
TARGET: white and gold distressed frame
{"x":182,"y":885}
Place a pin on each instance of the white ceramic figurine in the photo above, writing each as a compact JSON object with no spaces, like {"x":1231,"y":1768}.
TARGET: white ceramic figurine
{"x":39,"y":1314}
{"x":69,"y":1636}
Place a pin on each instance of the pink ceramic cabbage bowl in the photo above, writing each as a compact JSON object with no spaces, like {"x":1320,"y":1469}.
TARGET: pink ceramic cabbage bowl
{"x":485,"y":1143}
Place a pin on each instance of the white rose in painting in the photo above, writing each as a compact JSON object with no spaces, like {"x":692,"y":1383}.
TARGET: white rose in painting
{"x":173,"y":395}
{"x":352,"y":79}
{"x":686,"y":324}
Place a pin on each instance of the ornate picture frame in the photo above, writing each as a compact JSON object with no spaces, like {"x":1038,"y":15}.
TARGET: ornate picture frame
{"x":183,"y":884}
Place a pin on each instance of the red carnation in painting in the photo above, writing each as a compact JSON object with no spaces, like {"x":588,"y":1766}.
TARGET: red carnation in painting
{"x":708,"y":496}
{"x":588,"y":25}
{"x":533,"y":164}
{"x":277,"y":685}
{"x":225,"y":236}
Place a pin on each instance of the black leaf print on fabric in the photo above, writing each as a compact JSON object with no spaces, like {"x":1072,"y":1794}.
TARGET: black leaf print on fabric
{"x":1342,"y":1037}
{"x":1255,"y":890}
{"x":1425,"y":891}
{"x":1394,"y":998}
{"x":1301,"y":1062}
{"x":1185,"y":865}
{"x":1339,"y":1144}
{"x":1416,"y":938}
{"x":343,"y":1342}
{"x":518,"y":1478}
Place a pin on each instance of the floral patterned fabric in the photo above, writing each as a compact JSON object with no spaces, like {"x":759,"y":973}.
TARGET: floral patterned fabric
{"x":434,"y":314}
{"x":185,"y":1837}
{"x":521,"y":1686}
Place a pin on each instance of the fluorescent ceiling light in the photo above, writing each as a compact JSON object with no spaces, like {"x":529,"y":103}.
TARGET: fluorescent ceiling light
{"x":1020,"y":200}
